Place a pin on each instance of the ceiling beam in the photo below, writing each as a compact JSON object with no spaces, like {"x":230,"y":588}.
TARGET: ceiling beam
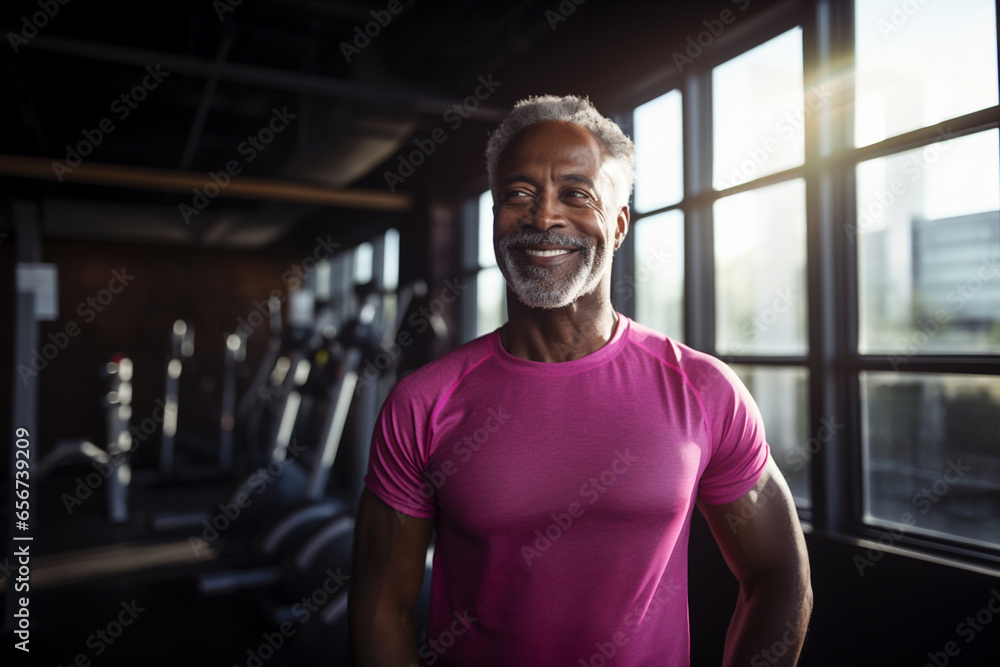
{"x":239,"y":187}
{"x":264,"y":77}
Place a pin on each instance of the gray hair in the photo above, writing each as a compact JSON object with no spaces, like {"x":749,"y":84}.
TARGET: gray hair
{"x":571,"y":109}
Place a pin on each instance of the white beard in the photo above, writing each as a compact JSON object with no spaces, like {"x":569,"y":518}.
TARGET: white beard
{"x":545,"y":286}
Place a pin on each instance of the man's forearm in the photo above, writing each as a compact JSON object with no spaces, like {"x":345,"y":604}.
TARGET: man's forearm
{"x":386,"y":642}
{"x":769,"y":625}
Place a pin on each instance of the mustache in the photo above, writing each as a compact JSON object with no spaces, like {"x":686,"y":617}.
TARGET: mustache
{"x":540,"y":238}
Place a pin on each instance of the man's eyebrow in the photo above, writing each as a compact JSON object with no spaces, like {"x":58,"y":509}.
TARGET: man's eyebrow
{"x":577,"y":178}
{"x":513,"y":178}
{"x":567,"y":178}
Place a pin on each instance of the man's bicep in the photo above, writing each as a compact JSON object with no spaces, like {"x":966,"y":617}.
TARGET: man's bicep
{"x":390,"y":550}
{"x":759,"y":534}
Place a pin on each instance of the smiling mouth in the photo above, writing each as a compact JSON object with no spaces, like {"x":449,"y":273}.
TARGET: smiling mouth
{"x":548,"y":253}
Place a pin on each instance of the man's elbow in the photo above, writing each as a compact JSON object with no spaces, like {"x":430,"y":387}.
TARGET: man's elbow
{"x":789,"y":580}
{"x":806,"y":599}
{"x":797,"y":583}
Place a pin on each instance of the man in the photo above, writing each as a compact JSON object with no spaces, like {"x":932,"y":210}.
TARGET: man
{"x":559,"y":459}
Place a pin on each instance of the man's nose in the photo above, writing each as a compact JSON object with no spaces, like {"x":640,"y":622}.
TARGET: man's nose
{"x":546,"y":212}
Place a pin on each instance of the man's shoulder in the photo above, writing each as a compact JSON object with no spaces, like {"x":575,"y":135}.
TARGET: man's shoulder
{"x":432,"y":380}
{"x":699,"y":368}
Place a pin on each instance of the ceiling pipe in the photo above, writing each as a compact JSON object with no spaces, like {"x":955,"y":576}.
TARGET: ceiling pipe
{"x":205,"y":103}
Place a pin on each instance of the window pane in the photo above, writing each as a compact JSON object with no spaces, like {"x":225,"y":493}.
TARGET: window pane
{"x":782,"y":393}
{"x":658,"y":153}
{"x":659,"y":273}
{"x":760,"y":277}
{"x":363,"y":263}
{"x":759,"y":110}
{"x":390,"y":277}
{"x":928,"y":235}
{"x":490,"y":309}
{"x":931,"y":452}
{"x":486,"y":255}
{"x":919,"y":63}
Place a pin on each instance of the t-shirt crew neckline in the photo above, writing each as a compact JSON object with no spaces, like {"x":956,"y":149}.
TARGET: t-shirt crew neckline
{"x":605,"y":353}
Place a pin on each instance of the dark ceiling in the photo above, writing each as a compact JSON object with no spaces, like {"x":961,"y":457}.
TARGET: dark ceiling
{"x":347,"y":104}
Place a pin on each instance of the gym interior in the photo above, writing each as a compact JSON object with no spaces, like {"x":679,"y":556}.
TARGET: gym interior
{"x":228,"y":228}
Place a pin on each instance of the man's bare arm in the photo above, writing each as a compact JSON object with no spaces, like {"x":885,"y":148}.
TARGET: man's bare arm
{"x":762,"y":542}
{"x":390,"y":550}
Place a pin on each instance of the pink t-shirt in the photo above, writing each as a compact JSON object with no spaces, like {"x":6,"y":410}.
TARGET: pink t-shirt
{"x":563,"y":494}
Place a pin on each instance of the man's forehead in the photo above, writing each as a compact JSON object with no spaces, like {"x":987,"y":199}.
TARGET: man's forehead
{"x":555,"y":141}
{"x":558,"y":132}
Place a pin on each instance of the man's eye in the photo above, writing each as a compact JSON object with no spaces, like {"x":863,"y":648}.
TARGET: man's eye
{"x":576,"y":194}
{"x":518,"y":194}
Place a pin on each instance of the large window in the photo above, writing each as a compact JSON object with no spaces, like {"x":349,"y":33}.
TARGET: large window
{"x":927,"y":243}
{"x":829,"y":180}
{"x":752,"y":193}
{"x":920,"y":64}
{"x":927,"y":224}
{"x":485,"y":307}
{"x":655,"y":279}
{"x":758,"y":119}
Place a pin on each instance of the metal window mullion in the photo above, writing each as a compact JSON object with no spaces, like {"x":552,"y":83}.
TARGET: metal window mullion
{"x":831,"y":264}
{"x":815,"y":47}
{"x":752,"y":360}
{"x":636,"y":215}
{"x":623,"y":284}
{"x":470,"y":268}
{"x":699,"y":265}
{"x":958,"y":364}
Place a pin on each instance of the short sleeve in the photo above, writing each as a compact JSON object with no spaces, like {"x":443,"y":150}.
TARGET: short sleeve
{"x":397,"y":458}
{"x":736,"y":428}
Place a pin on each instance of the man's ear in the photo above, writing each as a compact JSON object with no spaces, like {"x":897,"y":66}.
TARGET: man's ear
{"x":621,"y":226}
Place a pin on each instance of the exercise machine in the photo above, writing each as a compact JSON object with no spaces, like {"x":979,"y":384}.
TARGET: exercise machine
{"x":111,"y":462}
{"x":304,"y":553}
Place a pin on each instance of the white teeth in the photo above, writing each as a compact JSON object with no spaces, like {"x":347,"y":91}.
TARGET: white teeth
{"x":546,"y":253}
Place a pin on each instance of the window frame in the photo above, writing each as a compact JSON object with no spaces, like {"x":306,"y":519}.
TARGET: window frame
{"x":833,"y":361}
{"x":471,"y":268}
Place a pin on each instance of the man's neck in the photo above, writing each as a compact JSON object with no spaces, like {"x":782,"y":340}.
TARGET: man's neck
{"x":561,"y":334}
